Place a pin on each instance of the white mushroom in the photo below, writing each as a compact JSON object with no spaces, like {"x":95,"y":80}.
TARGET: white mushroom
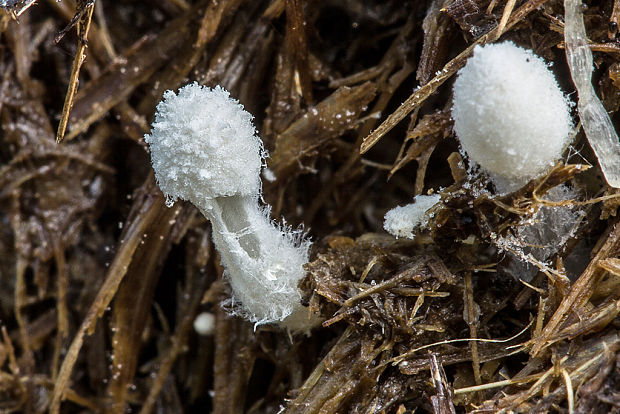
{"x":509,"y":114}
{"x":205,"y":150}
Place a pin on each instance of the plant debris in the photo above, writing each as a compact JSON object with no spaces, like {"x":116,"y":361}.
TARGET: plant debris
{"x":503,"y":303}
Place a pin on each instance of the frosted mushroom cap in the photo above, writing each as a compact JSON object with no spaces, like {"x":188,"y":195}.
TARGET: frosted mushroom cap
{"x":509,"y":113}
{"x":204,"y":145}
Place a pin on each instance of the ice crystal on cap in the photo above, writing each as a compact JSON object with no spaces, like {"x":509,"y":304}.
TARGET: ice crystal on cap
{"x":223,"y":156}
{"x":509,"y":113}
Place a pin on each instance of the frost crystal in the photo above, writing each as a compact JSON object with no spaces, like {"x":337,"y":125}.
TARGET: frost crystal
{"x":509,"y":113}
{"x":401,"y":221}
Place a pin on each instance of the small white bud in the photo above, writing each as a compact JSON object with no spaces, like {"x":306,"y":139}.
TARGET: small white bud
{"x":402,"y":221}
{"x":204,"y":324}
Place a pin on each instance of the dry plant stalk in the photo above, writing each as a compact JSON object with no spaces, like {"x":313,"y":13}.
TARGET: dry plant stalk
{"x":83,"y":17}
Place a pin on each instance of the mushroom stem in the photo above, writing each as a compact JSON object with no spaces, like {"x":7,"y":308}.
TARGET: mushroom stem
{"x":263,"y":261}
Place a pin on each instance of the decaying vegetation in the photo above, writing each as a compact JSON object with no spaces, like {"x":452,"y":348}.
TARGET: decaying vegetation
{"x":100,"y":282}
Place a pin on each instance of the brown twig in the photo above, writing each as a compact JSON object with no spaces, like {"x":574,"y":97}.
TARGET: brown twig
{"x":84,"y":16}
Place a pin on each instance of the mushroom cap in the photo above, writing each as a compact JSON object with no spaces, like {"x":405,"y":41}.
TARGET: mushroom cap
{"x":203,"y":145}
{"x":509,"y":113}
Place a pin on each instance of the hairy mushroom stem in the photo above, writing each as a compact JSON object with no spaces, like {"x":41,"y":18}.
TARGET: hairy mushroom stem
{"x":263,"y":261}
